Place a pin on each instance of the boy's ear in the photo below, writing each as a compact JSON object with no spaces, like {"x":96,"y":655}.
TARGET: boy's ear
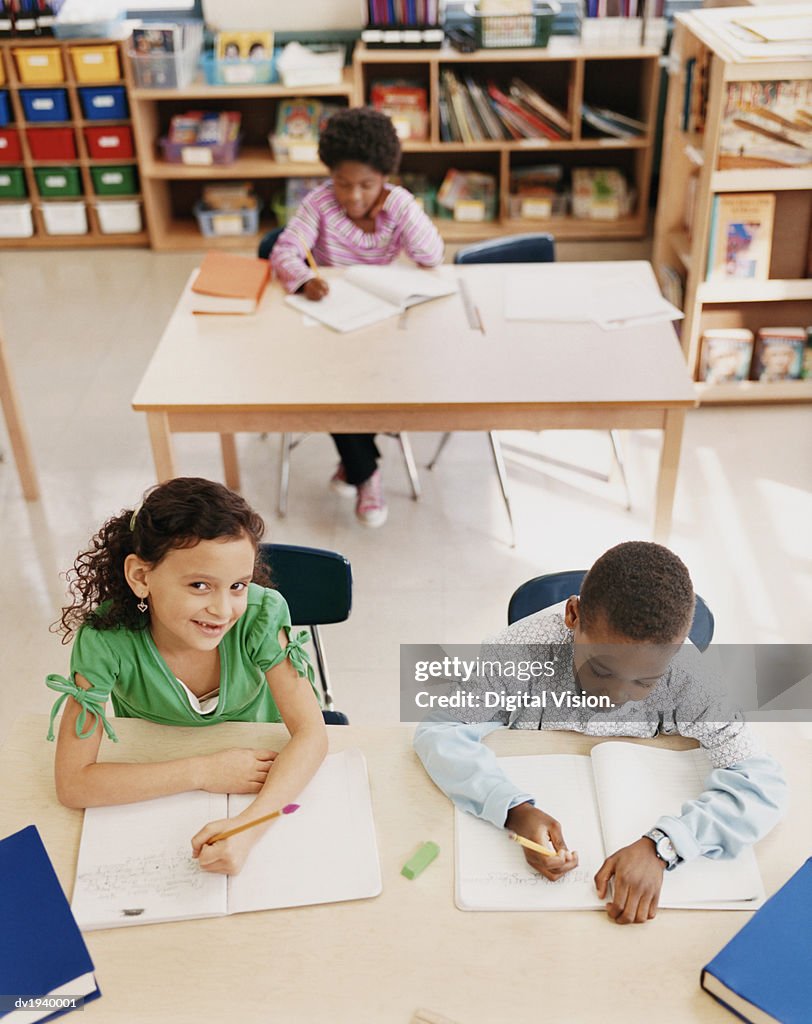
{"x":572,"y":612}
{"x":135,"y":573}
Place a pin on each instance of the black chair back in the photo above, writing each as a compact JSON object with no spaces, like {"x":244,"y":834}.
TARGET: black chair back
{"x":534,"y":248}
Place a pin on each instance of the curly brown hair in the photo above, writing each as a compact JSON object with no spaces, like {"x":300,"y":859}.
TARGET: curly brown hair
{"x":177,"y":514}
{"x":362,"y":135}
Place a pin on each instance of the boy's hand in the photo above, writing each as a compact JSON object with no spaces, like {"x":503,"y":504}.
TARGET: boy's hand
{"x":315,"y":289}
{"x":237,"y":770}
{"x":638,"y":874}
{"x":528,"y":821}
{"x":228,"y":856}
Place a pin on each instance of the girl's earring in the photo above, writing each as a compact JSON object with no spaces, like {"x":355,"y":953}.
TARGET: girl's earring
{"x":142,"y":605}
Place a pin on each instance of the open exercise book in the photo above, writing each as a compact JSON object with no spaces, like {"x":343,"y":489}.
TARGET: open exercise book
{"x":135,"y":864}
{"x":367,"y":295}
{"x":604,"y":802}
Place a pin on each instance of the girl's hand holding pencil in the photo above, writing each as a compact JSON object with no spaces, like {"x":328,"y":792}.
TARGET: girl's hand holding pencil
{"x":545,"y":849}
{"x":223,"y":846}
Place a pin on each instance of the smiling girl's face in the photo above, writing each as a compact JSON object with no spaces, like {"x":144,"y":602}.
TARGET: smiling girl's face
{"x":195,"y":594}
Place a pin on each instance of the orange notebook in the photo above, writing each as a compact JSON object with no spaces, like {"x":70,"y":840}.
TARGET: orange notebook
{"x":227,"y":284}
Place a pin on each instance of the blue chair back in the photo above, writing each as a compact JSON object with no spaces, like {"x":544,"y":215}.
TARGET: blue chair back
{"x":316,"y":584}
{"x":545,"y":591}
{"x":267,"y":242}
{"x":535,"y":248}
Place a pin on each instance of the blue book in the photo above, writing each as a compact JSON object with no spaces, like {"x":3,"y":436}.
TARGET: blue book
{"x":44,"y":956}
{"x":763,"y":974}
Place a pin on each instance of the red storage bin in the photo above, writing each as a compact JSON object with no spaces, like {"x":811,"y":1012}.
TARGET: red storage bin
{"x":10,"y":151}
{"x":114,"y":143}
{"x":52,"y":143}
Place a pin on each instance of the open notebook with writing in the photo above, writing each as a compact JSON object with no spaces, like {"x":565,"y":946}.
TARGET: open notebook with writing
{"x":367,"y":295}
{"x":604,"y":802}
{"x":135,"y":864}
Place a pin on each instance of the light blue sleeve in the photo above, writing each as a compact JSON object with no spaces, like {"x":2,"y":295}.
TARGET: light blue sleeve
{"x":465,"y":769}
{"x":740,"y":804}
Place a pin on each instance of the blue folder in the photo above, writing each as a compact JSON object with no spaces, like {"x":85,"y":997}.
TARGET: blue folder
{"x":42,"y":947}
{"x":763,"y":973}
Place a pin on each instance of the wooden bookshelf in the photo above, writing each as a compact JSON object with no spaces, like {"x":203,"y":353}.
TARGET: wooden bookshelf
{"x":785,"y":299}
{"x":12,"y":83}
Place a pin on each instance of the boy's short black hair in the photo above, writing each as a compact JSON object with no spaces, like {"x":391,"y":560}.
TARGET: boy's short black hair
{"x":642,"y":589}
{"x":363,"y":135}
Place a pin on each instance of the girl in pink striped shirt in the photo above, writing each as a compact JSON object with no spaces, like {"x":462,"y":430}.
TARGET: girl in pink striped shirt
{"x":356,"y":216}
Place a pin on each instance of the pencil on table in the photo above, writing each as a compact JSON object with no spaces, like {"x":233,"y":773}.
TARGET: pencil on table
{"x":530,"y":845}
{"x":287,"y":809}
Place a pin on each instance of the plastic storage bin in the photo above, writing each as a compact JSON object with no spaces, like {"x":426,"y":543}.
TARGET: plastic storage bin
{"x":322,"y":68}
{"x":65,"y":218}
{"x":40,"y":66}
{"x":104,"y":104}
{"x":15,"y":220}
{"x":5,"y":109}
{"x":200,"y":156}
{"x":58,"y":182}
{"x":238,"y":72}
{"x":109,"y":28}
{"x":12,"y":183}
{"x":119,"y":218}
{"x":511,"y":30}
{"x":52,"y":143}
{"x":45,"y":104}
{"x":114,"y":143}
{"x":217,"y":223}
{"x":114,"y":181}
{"x":166,"y":70}
{"x":95,"y":63}
{"x":10,"y":150}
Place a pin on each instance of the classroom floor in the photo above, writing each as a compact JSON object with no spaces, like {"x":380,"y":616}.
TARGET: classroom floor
{"x":80,"y":329}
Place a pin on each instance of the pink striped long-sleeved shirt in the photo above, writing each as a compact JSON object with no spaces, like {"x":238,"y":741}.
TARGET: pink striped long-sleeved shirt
{"x":335,"y":241}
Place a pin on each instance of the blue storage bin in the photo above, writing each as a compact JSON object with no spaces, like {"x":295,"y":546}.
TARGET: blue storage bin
{"x":45,"y":104}
{"x":106,"y":103}
{"x":5,"y":109}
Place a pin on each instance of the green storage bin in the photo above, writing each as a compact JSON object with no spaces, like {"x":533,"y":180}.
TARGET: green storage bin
{"x":58,"y":182}
{"x":12,"y":183}
{"x":115,"y":180}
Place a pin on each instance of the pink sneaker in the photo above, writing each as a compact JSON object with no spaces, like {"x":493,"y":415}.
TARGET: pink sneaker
{"x":338,"y":483}
{"x":370,"y":508}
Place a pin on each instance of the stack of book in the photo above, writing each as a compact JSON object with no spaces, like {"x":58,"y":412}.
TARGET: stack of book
{"x":602,"y":121}
{"x":473,"y":111}
{"x":740,"y":237}
{"x":766,"y":124}
{"x":537,"y":192}
{"x":203,"y":138}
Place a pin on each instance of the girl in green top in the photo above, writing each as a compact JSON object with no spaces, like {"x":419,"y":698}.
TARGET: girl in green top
{"x":170,"y":625}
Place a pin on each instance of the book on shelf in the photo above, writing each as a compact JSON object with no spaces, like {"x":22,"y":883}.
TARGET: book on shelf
{"x":611,"y":124}
{"x":726,"y":355}
{"x":44,"y":954}
{"x":135,"y":864}
{"x":763,"y":974}
{"x":606,"y":800}
{"x":766,"y":124}
{"x":406,"y":103}
{"x":229,"y":284}
{"x":740,"y":236}
{"x":778,"y":354}
{"x":296,"y":138}
{"x":367,"y":295}
{"x":472,"y":111}
{"x":537,"y":192}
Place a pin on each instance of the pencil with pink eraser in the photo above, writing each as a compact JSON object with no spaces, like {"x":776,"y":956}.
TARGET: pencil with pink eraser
{"x":287,"y":809}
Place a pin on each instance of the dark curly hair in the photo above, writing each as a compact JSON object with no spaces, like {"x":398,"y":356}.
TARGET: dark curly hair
{"x":642,"y":589}
{"x":363,"y":135}
{"x":177,"y":514}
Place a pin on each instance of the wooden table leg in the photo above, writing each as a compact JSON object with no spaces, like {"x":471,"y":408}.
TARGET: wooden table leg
{"x":160,"y":438}
{"x":16,"y":431}
{"x":231,"y":467}
{"x":673,"y":424}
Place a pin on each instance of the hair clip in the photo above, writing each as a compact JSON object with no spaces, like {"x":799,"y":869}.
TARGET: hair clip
{"x":134,"y":516}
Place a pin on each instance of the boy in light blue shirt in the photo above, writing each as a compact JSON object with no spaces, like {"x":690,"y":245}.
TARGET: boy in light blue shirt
{"x":622,"y":638}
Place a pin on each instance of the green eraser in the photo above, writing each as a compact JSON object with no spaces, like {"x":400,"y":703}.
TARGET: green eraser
{"x":420,"y":861}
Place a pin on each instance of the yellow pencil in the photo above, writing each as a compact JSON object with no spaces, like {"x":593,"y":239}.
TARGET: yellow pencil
{"x":287,"y":809}
{"x":308,"y":255}
{"x":530,"y":845}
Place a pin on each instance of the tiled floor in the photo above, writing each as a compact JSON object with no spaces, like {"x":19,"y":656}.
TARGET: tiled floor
{"x":80,"y":329}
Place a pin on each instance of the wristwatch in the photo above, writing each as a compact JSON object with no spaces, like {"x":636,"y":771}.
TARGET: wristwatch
{"x":663,"y":847}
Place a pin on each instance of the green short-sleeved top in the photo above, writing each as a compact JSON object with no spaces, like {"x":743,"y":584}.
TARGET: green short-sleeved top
{"x":125,"y":665}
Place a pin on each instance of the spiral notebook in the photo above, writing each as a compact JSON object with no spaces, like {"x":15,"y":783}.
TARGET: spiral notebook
{"x":135,"y":864}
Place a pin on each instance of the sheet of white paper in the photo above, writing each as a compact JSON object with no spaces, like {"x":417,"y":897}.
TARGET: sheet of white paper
{"x":402,"y":286}
{"x":491,"y":871}
{"x":325,"y":852}
{"x":345,"y":307}
{"x":556,"y":294}
{"x":635,"y":785}
{"x":135,"y":863}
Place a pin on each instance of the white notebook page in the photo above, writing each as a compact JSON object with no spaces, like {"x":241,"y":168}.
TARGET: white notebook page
{"x":325,"y":852}
{"x":346,"y":307}
{"x":402,"y":286}
{"x":136,"y":867}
